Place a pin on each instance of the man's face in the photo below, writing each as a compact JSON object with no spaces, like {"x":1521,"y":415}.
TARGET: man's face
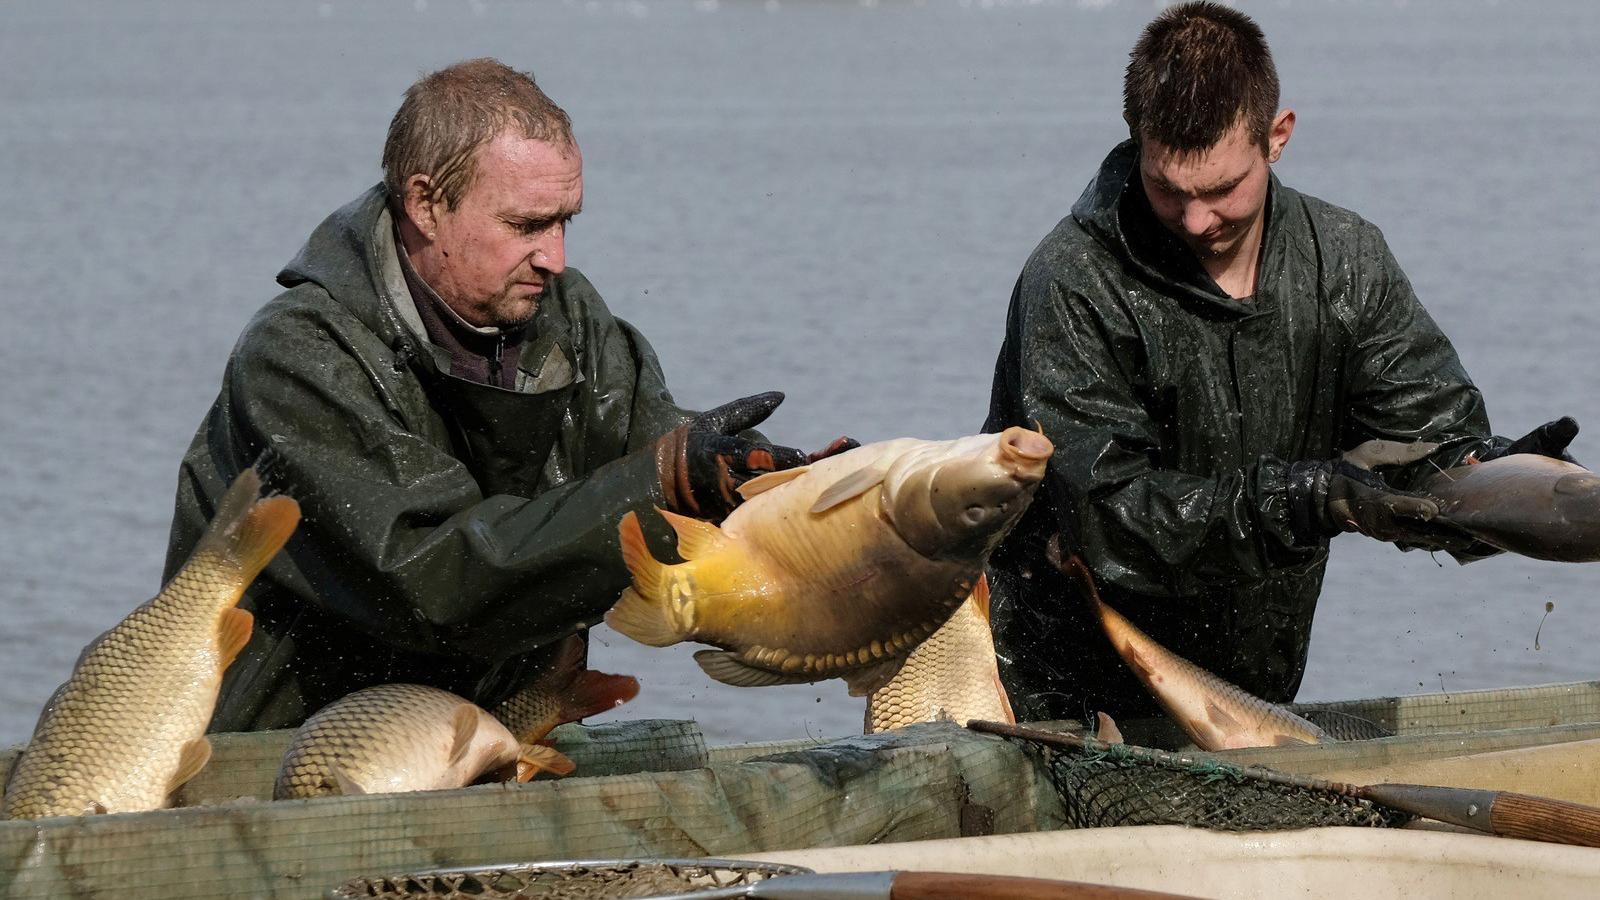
{"x":1213,"y":199}
{"x":493,"y":255}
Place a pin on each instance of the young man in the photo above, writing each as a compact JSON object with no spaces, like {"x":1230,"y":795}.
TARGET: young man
{"x":1202,"y":343}
{"x":460,"y":416}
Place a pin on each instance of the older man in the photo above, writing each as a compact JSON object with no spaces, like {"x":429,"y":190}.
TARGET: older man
{"x":460,"y":416}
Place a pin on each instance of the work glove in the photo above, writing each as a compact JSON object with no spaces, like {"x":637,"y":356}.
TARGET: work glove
{"x":1330,"y":496}
{"x":703,"y":462}
{"x":1550,"y":439}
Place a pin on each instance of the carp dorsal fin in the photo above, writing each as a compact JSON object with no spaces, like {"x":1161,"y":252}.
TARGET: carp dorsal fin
{"x":763,"y":483}
{"x":864,"y":681}
{"x":1106,"y":729}
{"x":850,"y":486}
{"x":696,"y":538}
{"x":233,"y":633}
{"x":538,"y":758}
{"x":726,"y":666}
{"x":348,"y":786}
{"x":463,"y":725}
{"x":191,"y":760}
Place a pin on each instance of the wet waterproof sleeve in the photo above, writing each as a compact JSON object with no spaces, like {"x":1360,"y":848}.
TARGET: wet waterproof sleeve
{"x":1154,"y":531}
{"x":397,"y":536}
{"x":1404,"y":381}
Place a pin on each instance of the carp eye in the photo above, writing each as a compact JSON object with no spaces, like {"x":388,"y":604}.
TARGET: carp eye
{"x":974,"y":515}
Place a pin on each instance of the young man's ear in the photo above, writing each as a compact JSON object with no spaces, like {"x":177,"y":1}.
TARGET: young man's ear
{"x":1278,"y":137}
{"x":423,"y":204}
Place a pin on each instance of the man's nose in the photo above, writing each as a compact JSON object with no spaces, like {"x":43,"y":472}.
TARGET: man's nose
{"x":1197,"y":218}
{"x":550,"y":253}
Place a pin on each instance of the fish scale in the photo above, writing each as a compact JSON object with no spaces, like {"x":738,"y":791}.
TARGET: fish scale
{"x":950,"y":677}
{"x":127,"y":728}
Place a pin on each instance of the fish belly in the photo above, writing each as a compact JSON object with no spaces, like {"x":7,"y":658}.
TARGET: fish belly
{"x":952,"y":676}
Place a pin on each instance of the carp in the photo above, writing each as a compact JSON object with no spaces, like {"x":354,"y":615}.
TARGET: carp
{"x":128,"y":727}
{"x":1215,"y":714}
{"x":397,"y":737}
{"x":409,"y":737}
{"x":566,"y":692}
{"x":1524,"y":503}
{"x":950,"y":677}
{"x":838,"y":569}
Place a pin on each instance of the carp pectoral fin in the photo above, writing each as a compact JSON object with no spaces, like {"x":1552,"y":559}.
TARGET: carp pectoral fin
{"x":1106,"y":729}
{"x":980,"y":596}
{"x":463,"y":725}
{"x":643,"y":619}
{"x":849,"y":487}
{"x":348,"y":786}
{"x":1219,"y":717}
{"x":696,"y":537}
{"x":538,"y":758}
{"x":763,"y":483}
{"x":863,"y":682}
{"x":726,"y":666}
{"x":233,"y":634}
{"x":191,"y":760}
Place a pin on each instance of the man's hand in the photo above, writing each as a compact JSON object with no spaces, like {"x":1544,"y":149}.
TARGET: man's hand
{"x":1330,"y":496}
{"x":702,"y":463}
{"x":1550,"y":439}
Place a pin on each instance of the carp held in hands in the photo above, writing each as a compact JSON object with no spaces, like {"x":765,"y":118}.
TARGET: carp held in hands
{"x":1524,"y":503}
{"x":838,"y":569}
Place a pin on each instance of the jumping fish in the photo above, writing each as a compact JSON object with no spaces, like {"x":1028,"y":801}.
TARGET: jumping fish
{"x":398,"y":737}
{"x":950,"y":677}
{"x":1525,"y":503}
{"x":1215,"y":714}
{"x":836,"y":569}
{"x":566,"y":692}
{"x":128,"y":727}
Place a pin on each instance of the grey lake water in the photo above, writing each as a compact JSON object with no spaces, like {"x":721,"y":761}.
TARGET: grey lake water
{"x":831,"y":198}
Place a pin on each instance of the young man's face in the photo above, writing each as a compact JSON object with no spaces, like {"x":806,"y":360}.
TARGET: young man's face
{"x":492,"y":256}
{"x":1213,"y":199}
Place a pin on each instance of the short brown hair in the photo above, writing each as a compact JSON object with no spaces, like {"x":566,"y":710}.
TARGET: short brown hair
{"x":448,"y":115}
{"x":1198,"y":70}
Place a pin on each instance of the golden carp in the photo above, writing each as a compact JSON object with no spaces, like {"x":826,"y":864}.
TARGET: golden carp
{"x":397,"y":737}
{"x":566,"y":692}
{"x":128,"y":728}
{"x":1215,"y":714}
{"x":407,"y":737}
{"x":1524,"y":503}
{"x":950,"y":677}
{"x":836,"y":569}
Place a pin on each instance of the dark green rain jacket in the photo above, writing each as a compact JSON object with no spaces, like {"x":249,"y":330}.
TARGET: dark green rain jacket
{"x":451,"y":532}
{"x":1176,"y":412}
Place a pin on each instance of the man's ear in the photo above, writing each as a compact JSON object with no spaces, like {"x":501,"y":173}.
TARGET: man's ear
{"x":423,"y":204}
{"x":1278,"y":137}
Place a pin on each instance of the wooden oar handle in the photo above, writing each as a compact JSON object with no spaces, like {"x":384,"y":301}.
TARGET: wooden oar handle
{"x":1544,"y":819}
{"x":951,"y":886}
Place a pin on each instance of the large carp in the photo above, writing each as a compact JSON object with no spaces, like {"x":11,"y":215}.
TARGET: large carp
{"x":1525,"y":503}
{"x":408,"y":737}
{"x":128,"y":728}
{"x":950,"y":677}
{"x":838,"y":569}
{"x":1215,"y":714}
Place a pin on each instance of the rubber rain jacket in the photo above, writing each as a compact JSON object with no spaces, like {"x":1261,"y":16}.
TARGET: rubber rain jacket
{"x":451,"y":531}
{"x":1175,"y":411}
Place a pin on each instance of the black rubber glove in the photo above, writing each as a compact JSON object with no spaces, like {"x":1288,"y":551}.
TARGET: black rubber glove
{"x":1550,"y":439}
{"x":1330,"y":496}
{"x":703,"y":462}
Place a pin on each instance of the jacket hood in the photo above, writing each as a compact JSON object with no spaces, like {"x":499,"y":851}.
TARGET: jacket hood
{"x":1114,"y":211}
{"x":352,"y":256}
